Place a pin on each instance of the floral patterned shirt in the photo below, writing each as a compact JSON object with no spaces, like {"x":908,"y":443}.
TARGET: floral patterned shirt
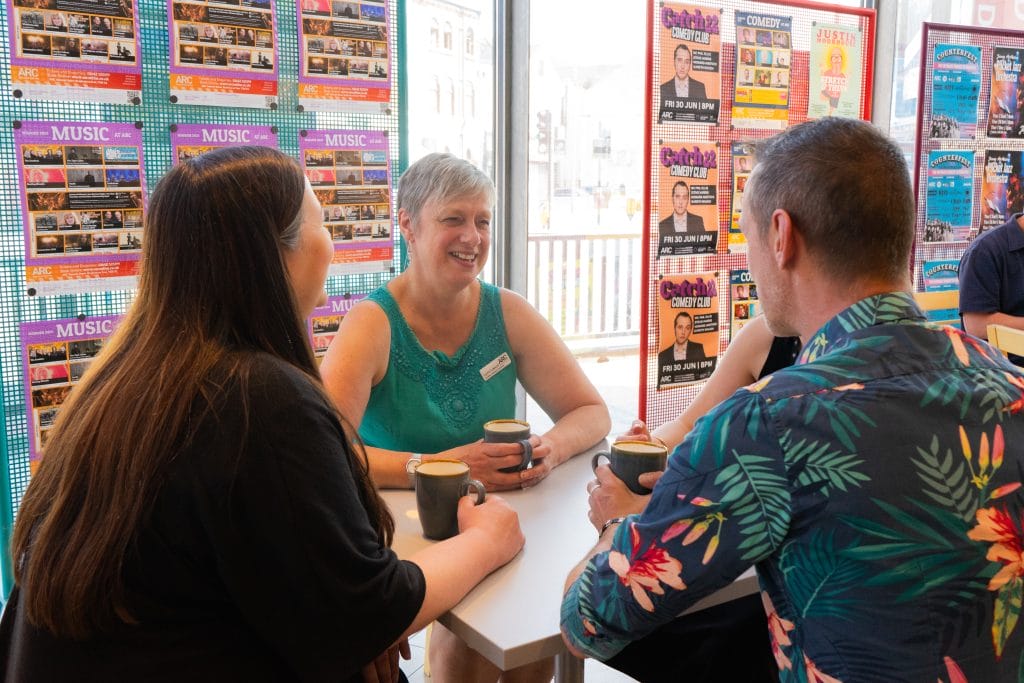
{"x":876,"y":487}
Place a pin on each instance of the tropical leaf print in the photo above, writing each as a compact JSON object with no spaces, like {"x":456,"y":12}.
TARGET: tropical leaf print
{"x":821,"y":582}
{"x":947,"y":480}
{"x":1007,"y":610}
{"x":760,"y":500}
{"x":819,"y":464}
{"x":920,"y":550}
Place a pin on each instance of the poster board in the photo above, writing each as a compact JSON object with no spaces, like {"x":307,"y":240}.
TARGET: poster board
{"x":742,"y":107}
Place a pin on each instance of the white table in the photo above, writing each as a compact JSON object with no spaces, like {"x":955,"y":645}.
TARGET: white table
{"x":512,"y":617}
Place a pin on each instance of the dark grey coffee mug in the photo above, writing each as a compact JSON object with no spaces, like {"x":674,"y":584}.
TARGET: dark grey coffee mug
{"x":630,"y":459}
{"x":511,"y":431}
{"x":439,"y":485}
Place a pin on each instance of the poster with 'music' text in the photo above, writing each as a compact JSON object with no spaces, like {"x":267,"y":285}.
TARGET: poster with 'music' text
{"x":956,"y":86}
{"x":687,"y":198}
{"x":223,"y":53}
{"x":325,"y":321}
{"x":687,"y":328}
{"x":56,"y":353}
{"x":189,"y":140}
{"x":345,"y":55}
{"x":75,"y":50}
{"x":82,"y":198}
{"x":350,"y":174}
{"x":950,"y":197}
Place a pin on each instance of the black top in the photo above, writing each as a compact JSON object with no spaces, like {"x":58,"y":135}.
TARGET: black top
{"x":258,"y":562}
{"x":782,"y":354}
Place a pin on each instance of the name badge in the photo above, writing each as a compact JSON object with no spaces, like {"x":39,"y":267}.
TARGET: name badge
{"x":495,"y":366}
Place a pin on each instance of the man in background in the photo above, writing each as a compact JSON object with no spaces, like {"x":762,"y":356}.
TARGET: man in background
{"x":875,"y":485}
{"x":992,"y":280}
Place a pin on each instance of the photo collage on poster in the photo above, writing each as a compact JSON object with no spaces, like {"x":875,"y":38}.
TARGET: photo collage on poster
{"x":957,"y":81}
{"x":91,"y":48}
{"x":742,"y":165}
{"x":350,"y":174}
{"x":344,"y":55}
{"x":763,"y":63}
{"x":687,"y":328}
{"x":56,"y":355}
{"x":326,"y":320}
{"x":189,"y":140}
{"x":688,"y":199}
{"x":223,"y":53}
{"x":742,"y":300}
{"x":82,"y":201}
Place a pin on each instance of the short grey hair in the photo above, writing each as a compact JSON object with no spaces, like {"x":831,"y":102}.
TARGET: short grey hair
{"x":441,"y":177}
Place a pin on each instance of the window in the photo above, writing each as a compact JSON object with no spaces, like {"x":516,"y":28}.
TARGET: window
{"x":469,"y":41}
{"x":447,"y":36}
{"x":435,"y":33}
{"x":437,"y":94}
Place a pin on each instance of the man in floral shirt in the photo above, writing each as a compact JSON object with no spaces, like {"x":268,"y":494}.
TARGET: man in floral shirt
{"x":875,"y":484}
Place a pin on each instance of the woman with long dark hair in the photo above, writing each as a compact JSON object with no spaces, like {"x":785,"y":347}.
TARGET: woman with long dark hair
{"x":200,"y":511}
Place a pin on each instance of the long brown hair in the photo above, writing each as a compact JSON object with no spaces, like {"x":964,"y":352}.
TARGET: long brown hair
{"x":213,"y":291}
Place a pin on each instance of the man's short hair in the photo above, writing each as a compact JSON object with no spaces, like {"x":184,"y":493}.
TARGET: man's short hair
{"x":681,"y":314}
{"x":847,"y":188}
{"x":680,"y":183}
{"x":680,"y":46}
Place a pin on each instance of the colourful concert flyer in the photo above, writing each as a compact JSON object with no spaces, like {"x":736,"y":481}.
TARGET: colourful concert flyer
{"x":835,"y":72}
{"x":189,"y":140}
{"x":687,"y":328}
{"x":350,"y":174}
{"x":1006,"y":104}
{"x":950,"y":197}
{"x":344,"y":55}
{"x":85,"y":51}
{"x":742,"y":165}
{"x":764,"y":49}
{"x":56,"y":353}
{"x":687,"y":198}
{"x":956,"y":87}
{"x":1001,"y":193}
{"x":691,"y":46}
{"x":82,"y":190}
{"x":326,"y":319}
{"x":743,"y":305}
{"x":222,"y":53}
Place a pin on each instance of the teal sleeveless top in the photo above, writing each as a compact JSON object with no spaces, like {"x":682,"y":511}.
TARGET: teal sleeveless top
{"x":428,"y":401}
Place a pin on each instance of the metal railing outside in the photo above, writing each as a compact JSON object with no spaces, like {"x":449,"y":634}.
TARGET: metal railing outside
{"x":588,"y":288}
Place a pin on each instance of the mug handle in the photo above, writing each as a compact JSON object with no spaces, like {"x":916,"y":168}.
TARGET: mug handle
{"x":527,"y":453}
{"x":595,"y":461}
{"x":481,"y":492}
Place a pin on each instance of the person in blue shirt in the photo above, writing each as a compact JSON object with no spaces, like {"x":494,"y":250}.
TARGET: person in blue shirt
{"x":875,"y":485}
{"x":992,"y":280}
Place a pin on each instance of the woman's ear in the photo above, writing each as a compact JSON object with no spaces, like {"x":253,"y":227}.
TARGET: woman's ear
{"x":405,"y":224}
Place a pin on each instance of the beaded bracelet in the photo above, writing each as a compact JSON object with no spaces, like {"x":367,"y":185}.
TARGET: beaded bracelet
{"x":613,"y":520}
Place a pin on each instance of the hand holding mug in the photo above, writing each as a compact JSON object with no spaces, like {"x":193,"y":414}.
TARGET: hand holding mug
{"x":440,"y":484}
{"x":511,"y":431}
{"x":629,"y":459}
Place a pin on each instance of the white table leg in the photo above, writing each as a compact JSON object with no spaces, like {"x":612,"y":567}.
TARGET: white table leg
{"x":568,"y":669}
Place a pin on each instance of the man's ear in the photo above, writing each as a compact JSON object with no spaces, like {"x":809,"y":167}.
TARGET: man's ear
{"x":783,"y":239}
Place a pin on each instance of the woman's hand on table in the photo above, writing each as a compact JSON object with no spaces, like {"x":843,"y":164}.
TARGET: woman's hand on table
{"x":497,"y":523}
{"x":384,"y":669}
{"x":610,"y":497}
